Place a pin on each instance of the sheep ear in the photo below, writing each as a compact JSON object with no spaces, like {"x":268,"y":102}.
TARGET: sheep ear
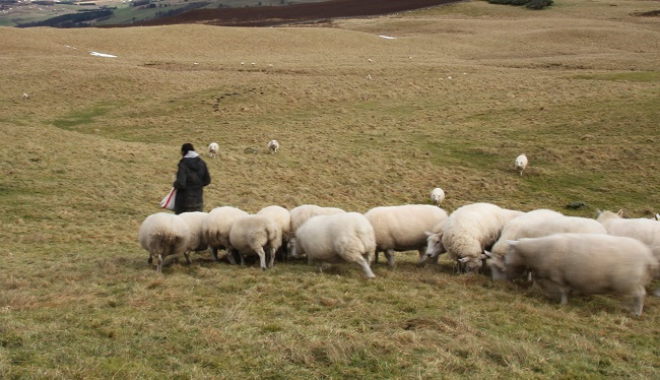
{"x":488,"y":254}
{"x":620,"y":212}
{"x":657,"y":216}
{"x":598,"y":212}
{"x":427,"y":233}
{"x":464,"y":259}
{"x":511,"y":242}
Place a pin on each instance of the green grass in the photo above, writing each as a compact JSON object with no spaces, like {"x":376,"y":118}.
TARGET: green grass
{"x":95,"y":148}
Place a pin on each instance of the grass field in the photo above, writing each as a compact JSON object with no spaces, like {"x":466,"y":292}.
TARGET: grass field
{"x":451,"y":102}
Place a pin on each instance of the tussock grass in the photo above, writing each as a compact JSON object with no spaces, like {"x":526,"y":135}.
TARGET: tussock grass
{"x":91,"y":152}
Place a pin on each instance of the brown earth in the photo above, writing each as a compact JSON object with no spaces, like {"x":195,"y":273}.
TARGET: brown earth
{"x":297,"y":13}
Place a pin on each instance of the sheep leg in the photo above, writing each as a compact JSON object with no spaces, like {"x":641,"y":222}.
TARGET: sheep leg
{"x":272,"y":257}
{"x":230,"y":256}
{"x":376,"y":257}
{"x":159,"y":268}
{"x":262,"y":258}
{"x":214,"y":254}
{"x":150,"y":260}
{"x":638,"y":304}
{"x":389,"y":254}
{"x":187,"y":256}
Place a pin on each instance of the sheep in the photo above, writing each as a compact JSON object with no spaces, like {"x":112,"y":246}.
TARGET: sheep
{"x":164,"y":234}
{"x":282,"y":217}
{"x":299,"y":216}
{"x":255,"y":234}
{"x":645,"y":230}
{"x":469,"y":230}
{"x":195,"y":220}
{"x":588,"y":263}
{"x":26,"y":96}
{"x":273,"y":146}
{"x":521,"y":163}
{"x":338,"y":237}
{"x":214,"y":148}
{"x":403,"y":228}
{"x":437,"y":196}
{"x":534,"y":224}
{"x":216,"y":229}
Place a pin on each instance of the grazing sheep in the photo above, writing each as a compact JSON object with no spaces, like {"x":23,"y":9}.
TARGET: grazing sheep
{"x":195,"y":220}
{"x":437,"y":196}
{"x":26,"y":96}
{"x":521,"y":163}
{"x":216,"y":228}
{"x":403,"y":228}
{"x":645,"y":230}
{"x":469,"y":230}
{"x":255,"y":234}
{"x":164,"y":234}
{"x":299,"y":216}
{"x":273,"y":146}
{"x":336,"y":238}
{"x":587,"y":263}
{"x":214,"y":148}
{"x":282,"y":218}
{"x":534,"y":224}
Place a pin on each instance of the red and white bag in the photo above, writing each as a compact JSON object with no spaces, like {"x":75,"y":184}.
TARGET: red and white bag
{"x":168,"y":201}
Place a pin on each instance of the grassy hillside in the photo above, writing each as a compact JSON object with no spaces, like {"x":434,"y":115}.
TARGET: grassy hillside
{"x":363,"y":121}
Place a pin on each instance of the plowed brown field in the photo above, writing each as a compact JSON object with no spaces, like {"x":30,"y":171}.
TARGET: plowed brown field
{"x":276,"y":15}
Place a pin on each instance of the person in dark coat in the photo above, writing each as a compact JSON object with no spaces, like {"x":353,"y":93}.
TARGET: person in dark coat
{"x":191,"y":177}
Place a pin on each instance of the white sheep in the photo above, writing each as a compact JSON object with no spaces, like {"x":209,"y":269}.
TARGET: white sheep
{"x":195,"y":220}
{"x":300,"y":214}
{"x":336,"y":238}
{"x":282,"y":217}
{"x":403,"y":228}
{"x":255,"y":234}
{"x":645,"y":230}
{"x":469,"y":230}
{"x":273,"y":146}
{"x":521,"y":163}
{"x":214,"y":148}
{"x":534,"y":224}
{"x":588,"y":263}
{"x":216,"y":228}
{"x":437,"y":196}
{"x":164,"y":234}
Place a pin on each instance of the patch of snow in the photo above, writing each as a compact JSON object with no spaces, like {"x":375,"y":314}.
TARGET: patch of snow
{"x":102,"y":54}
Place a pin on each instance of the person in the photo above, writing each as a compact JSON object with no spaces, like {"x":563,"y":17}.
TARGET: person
{"x":191,"y":177}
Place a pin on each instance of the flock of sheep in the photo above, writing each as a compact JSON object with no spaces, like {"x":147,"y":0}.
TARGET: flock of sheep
{"x":273,"y":147}
{"x":559,"y":253}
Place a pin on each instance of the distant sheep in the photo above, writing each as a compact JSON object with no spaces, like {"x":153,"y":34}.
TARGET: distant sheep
{"x":26,"y":96}
{"x":273,"y":146}
{"x":521,"y":163}
{"x":535,"y":224}
{"x":164,"y":234}
{"x":403,"y":228}
{"x":336,"y":238}
{"x":300,"y":214}
{"x":216,"y":229}
{"x":255,"y":234}
{"x":469,"y":230}
{"x":587,"y":263}
{"x":214,"y":148}
{"x":437,"y":196}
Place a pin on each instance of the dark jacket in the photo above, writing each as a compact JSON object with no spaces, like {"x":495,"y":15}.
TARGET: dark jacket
{"x":191,"y":177}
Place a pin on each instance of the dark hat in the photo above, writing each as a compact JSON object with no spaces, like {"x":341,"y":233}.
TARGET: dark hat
{"x":185,"y":148}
